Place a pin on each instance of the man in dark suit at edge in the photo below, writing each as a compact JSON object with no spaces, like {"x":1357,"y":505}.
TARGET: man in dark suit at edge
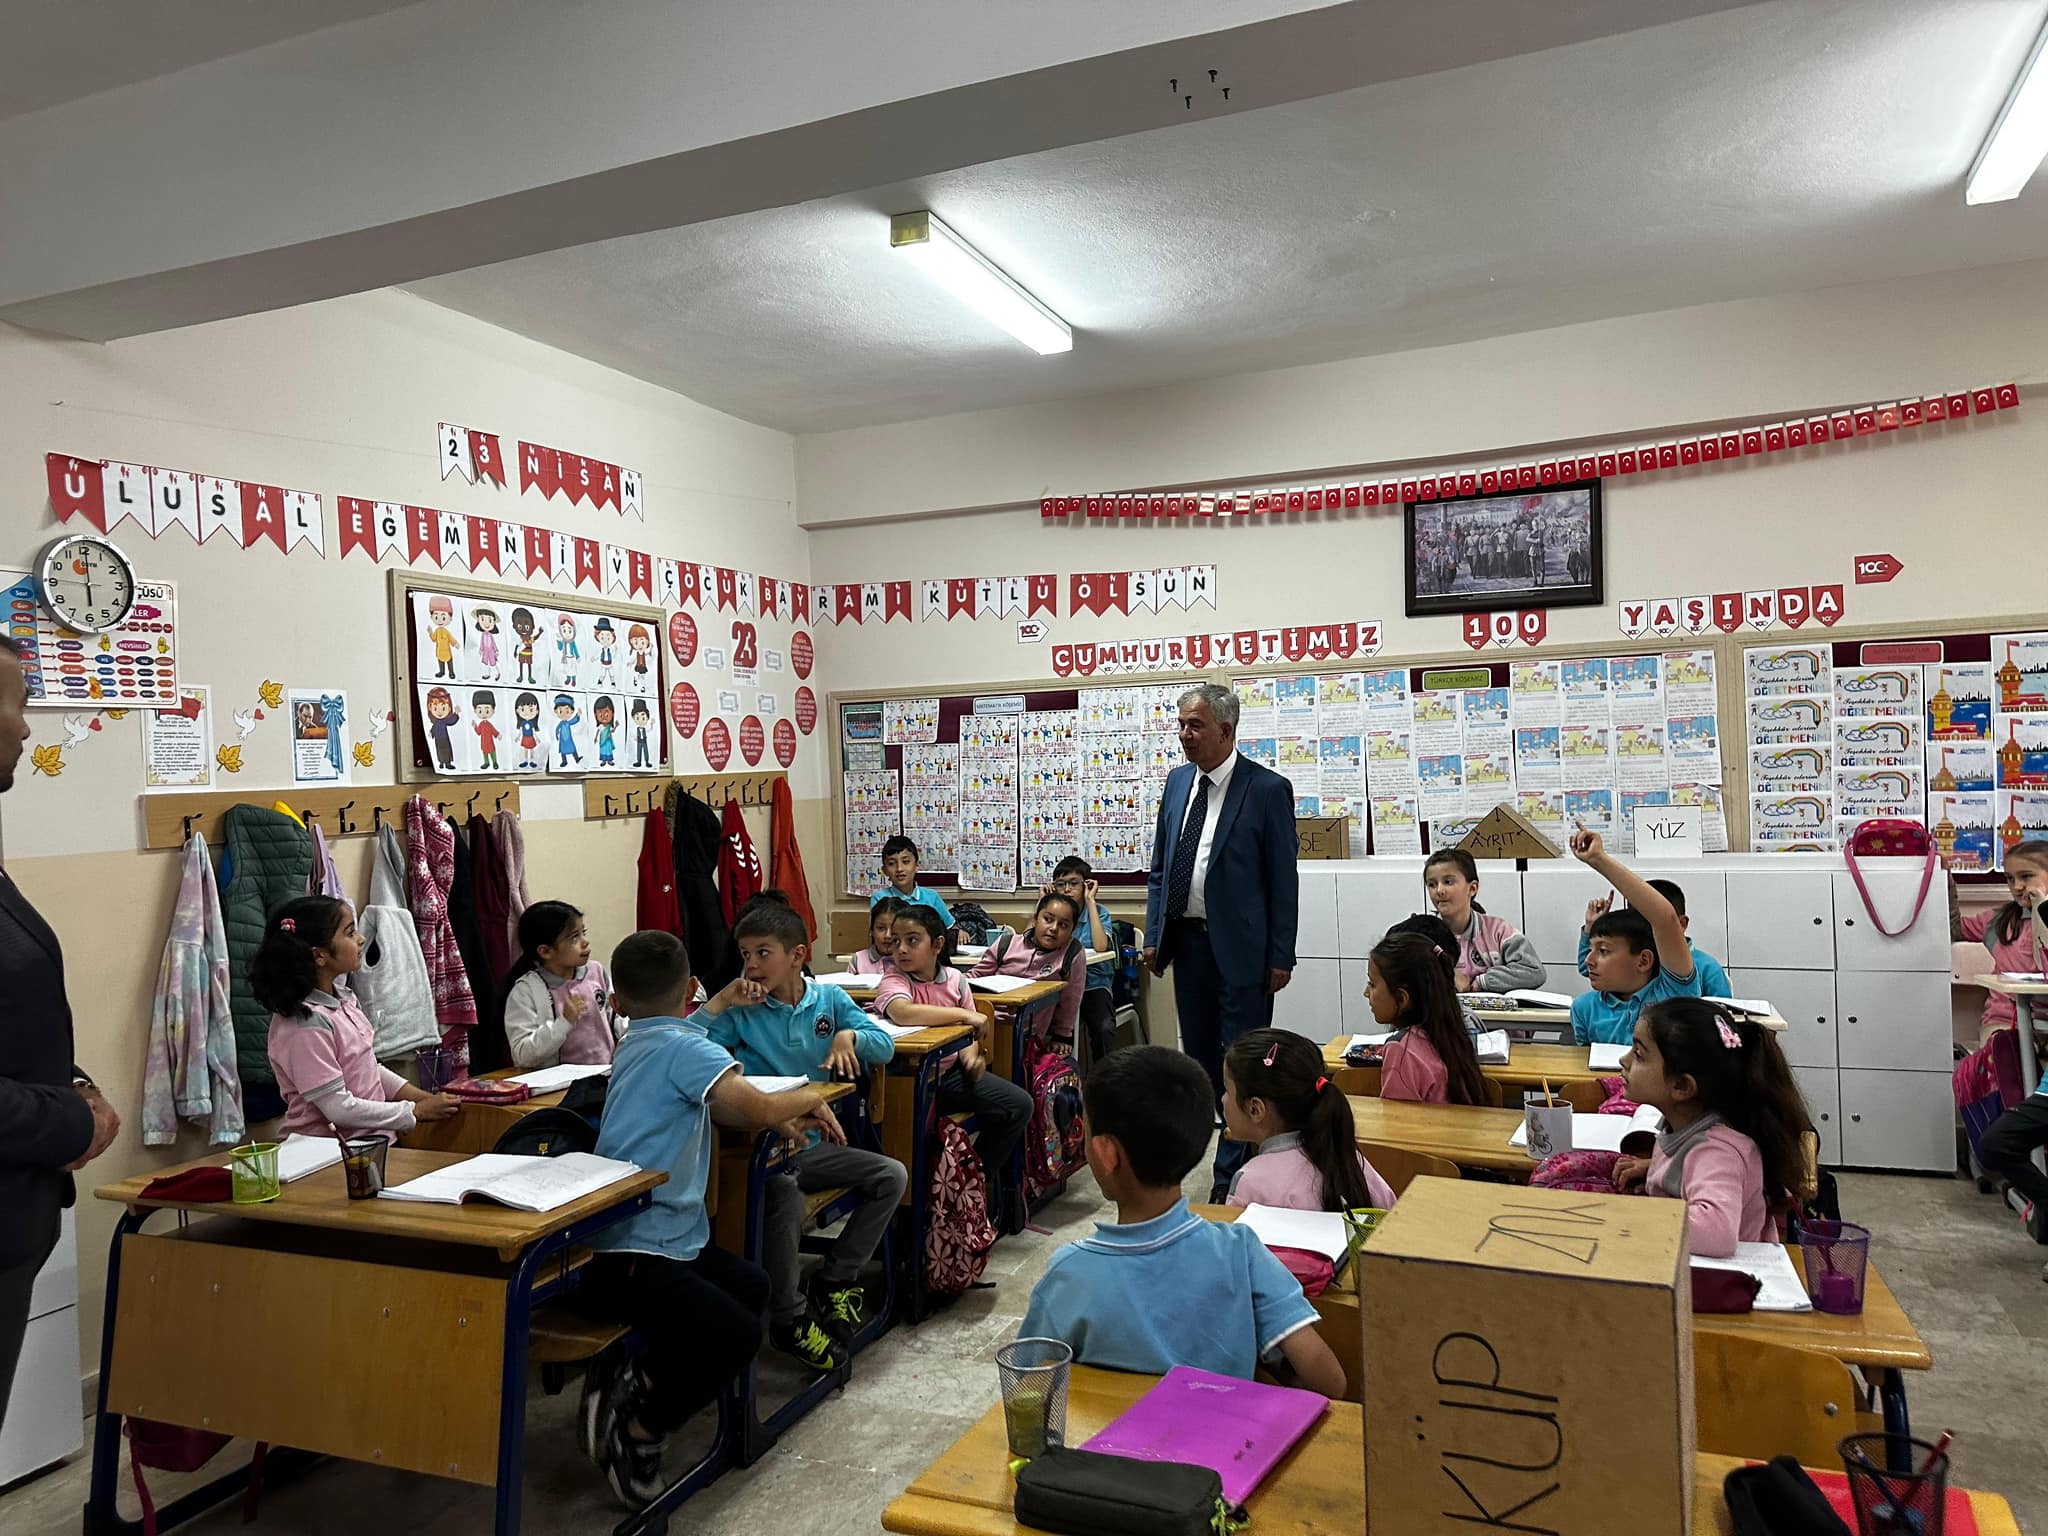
{"x":1221,"y":902}
{"x":52,"y":1119}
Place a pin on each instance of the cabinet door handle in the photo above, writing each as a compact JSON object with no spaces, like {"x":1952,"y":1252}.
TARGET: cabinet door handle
{"x":1848,"y":922}
{"x":1852,"y":1018}
{"x":1823,"y":1117}
{"x":1857,"y":1118}
{"x":1816,"y":922}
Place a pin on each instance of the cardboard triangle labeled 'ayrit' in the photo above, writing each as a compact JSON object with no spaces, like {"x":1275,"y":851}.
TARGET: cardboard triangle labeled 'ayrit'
{"x":1505,"y":833}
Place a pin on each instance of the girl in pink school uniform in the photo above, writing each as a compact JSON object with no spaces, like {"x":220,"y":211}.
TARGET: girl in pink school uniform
{"x":2008,"y":931}
{"x":557,"y":999}
{"x":321,"y":1045}
{"x":1431,"y":1059}
{"x":880,"y":955}
{"x":1276,"y":1097}
{"x":1045,"y":951}
{"x":1492,"y":955}
{"x":1733,"y":1121}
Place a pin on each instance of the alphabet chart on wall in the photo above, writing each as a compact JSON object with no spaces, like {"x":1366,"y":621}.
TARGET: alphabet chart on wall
{"x":134,"y":666}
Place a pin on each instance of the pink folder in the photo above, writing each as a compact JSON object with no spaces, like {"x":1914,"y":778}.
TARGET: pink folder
{"x":1240,"y":1429}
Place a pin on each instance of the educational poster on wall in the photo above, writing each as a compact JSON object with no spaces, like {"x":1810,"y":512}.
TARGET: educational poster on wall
{"x":931,"y":801}
{"x":873,"y":816}
{"x":1048,"y":790}
{"x":2019,"y":737}
{"x":860,"y":739}
{"x":177,"y":744}
{"x":1584,"y":739}
{"x":319,"y":720}
{"x":1789,"y":714}
{"x":989,"y":762}
{"x":132,"y":667}
{"x":516,"y":687}
{"x":1127,"y":746}
{"x":908,"y":722}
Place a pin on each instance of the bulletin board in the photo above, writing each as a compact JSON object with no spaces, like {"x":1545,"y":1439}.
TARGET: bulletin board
{"x":2015,"y":712}
{"x":442,"y":667}
{"x":996,"y":788}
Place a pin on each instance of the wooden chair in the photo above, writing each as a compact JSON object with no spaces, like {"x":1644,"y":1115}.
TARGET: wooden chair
{"x":1759,"y":1399}
{"x":1357,"y":1082}
{"x":1399,"y":1166}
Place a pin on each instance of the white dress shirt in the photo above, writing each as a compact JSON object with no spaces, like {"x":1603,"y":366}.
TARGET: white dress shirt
{"x":1219,"y":782}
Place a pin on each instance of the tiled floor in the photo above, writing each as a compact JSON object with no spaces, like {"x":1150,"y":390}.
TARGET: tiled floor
{"x":1966,"y":1274}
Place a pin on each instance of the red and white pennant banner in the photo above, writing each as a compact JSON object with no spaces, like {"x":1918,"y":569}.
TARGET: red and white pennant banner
{"x":471,"y":454}
{"x":1154,"y":591}
{"x":1786,"y":607}
{"x":554,"y":470}
{"x":107,"y":494}
{"x":1761,"y":438}
{"x":1243,"y":647}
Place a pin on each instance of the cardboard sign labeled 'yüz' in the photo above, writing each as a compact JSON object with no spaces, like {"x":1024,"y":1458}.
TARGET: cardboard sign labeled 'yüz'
{"x":1667,"y":831}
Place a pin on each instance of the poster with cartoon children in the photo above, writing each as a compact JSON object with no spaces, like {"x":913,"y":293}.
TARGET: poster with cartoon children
{"x":438,"y":638}
{"x":483,"y":725}
{"x":485,"y":652}
{"x":566,"y":637}
{"x":441,"y":717}
{"x":568,"y":728}
{"x":604,"y":729}
{"x":526,"y":731}
{"x":639,"y":676}
{"x":605,"y":647}
{"x":530,"y":655}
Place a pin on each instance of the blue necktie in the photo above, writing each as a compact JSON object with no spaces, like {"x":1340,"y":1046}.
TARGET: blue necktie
{"x":1180,"y":879}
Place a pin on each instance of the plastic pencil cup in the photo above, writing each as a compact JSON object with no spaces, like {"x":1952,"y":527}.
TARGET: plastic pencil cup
{"x":362,"y":1160}
{"x":437,"y":1066}
{"x":252,"y":1173}
{"x":1834,"y":1254}
{"x":1896,"y":1503}
{"x":1549,"y":1124}
{"x":1034,"y":1376}
{"x":1359,"y":1225}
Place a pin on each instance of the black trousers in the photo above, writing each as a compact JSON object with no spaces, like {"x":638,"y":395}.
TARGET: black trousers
{"x":2007,"y":1148}
{"x":1002,"y":1108}
{"x":15,"y":1286}
{"x":1213,"y":1013}
{"x":1098,"y":1019}
{"x":700,"y":1320}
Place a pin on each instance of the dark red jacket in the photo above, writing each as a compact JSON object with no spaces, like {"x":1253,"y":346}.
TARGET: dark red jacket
{"x":657,"y":906}
{"x":739,"y":867}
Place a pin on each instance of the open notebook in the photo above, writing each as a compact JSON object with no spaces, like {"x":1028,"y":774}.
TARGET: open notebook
{"x":1312,"y":1231}
{"x":1603,"y":1057}
{"x":1238,"y":1429}
{"x":1490,"y":1044}
{"x":554,"y":1079}
{"x":524,"y":1183}
{"x":1529,"y":998}
{"x":1771,"y":1263}
{"x":299,"y":1154}
{"x":1001,"y":984}
{"x":1601,"y":1133}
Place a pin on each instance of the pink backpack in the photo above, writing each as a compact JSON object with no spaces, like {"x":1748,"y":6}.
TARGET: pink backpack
{"x":1890,"y":839}
{"x":1054,"y":1147}
{"x":958,"y":1233}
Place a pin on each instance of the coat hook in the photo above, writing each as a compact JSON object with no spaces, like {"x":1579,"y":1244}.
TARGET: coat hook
{"x":188,"y":827}
{"x":310,"y":815}
{"x":377,"y":818}
{"x":609,"y":808}
{"x":501,"y":800}
{"x":341,"y":821}
{"x":470,"y":809}
{"x":441,"y":808}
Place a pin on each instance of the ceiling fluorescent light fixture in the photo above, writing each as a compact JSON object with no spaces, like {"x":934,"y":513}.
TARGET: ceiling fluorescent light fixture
{"x":2019,"y":139}
{"x":978,"y":282}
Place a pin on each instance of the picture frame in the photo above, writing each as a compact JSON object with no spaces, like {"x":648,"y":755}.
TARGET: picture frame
{"x":1471,"y":554}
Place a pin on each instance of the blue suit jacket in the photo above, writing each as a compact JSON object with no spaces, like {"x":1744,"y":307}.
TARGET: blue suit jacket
{"x":1251,"y":893}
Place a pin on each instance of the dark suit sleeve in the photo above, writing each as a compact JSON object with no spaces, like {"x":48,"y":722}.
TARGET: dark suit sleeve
{"x":42,"y":1126}
{"x":1278,"y":847}
{"x":1155,"y":880}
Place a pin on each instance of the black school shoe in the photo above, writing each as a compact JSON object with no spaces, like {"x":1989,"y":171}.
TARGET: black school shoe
{"x":632,"y":1467}
{"x":841,"y":1310}
{"x":607,"y":1386}
{"x":804,"y":1339}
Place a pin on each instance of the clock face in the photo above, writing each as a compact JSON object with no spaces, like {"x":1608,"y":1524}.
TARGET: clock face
{"x":86,"y":583}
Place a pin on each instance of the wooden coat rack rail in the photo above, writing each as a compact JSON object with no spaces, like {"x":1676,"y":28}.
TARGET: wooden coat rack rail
{"x":609,"y":799}
{"x":169,"y":820}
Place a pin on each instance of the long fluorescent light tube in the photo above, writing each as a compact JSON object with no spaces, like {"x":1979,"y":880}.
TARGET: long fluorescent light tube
{"x":2019,"y":139}
{"x":978,"y":282}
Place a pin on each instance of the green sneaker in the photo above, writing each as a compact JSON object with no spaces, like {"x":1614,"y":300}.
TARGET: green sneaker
{"x":802,"y":1339}
{"x":842,"y":1310}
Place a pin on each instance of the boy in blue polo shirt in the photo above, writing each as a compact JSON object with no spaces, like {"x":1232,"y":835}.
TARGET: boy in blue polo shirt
{"x":1713,"y":980}
{"x":779,"y":1022}
{"x":899,"y":868}
{"x":697,"y":1308}
{"x":1148,"y":1112}
{"x":1633,"y":958}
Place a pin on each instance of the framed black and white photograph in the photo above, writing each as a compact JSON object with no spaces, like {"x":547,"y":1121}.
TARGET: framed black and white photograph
{"x":1536,"y":549}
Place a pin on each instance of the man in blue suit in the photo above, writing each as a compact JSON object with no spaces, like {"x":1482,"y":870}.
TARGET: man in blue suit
{"x":1220,"y":905}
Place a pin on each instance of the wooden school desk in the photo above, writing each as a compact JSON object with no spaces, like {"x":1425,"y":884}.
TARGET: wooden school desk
{"x":910,"y":1082}
{"x":1318,"y":1490}
{"x":375,"y":1330}
{"x":1339,"y":1319}
{"x":1528,"y":1066}
{"x":1558,"y":1021}
{"x":1470,"y":1136}
{"x":478,"y":1126}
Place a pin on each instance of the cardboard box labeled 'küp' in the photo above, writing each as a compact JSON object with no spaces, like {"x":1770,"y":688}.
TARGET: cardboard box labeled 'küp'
{"x":1528,"y":1363}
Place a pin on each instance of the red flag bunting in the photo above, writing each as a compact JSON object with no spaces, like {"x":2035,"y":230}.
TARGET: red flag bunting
{"x":728,"y":587}
{"x":589,"y":565}
{"x":895,"y":601}
{"x":800,"y":602}
{"x":262,"y":514}
{"x":639,"y":572}
{"x":687,"y":577}
{"x":76,"y":489}
{"x":358,"y":523}
{"x":481,"y":540}
{"x":960,"y":597}
{"x":845,"y":602}
{"x":487,"y":455}
{"x":422,"y":535}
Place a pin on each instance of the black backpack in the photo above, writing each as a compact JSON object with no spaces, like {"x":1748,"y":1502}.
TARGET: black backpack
{"x":973,"y":921}
{"x":548,"y":1133}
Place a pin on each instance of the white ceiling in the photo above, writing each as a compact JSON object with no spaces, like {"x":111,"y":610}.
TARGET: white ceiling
{"x":1790,"y":145}
{"x":61,"y":50}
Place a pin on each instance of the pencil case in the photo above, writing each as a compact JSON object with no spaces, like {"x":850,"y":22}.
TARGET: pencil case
{"x":481,"y":1090}
{"x":1085,"y":1493}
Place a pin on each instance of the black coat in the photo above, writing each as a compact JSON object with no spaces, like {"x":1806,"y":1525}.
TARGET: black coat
{"x":699,"y":839}
{"x":44,"y":1124}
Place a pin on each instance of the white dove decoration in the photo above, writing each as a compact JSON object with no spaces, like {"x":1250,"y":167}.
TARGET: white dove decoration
{"x":245,"y":721}
{"x":75,"y":729}
{"x":380,"y":723}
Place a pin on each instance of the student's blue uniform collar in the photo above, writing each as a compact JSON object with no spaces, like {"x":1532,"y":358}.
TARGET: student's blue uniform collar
{"x":1144,"y":1236}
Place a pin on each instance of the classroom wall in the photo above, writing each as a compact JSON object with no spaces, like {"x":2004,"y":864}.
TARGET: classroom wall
{"x":342,"y":399}
{"x":1953,"y":502}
